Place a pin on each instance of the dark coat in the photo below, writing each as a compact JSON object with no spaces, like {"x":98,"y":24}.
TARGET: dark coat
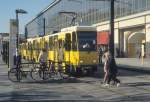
{"x":112,"y":66}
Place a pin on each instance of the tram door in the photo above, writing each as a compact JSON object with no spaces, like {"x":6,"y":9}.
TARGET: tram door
{"x":56,"y":48}
{"x":68,"y":47}
{"x":61,"y":49}
{"x":46,"y":47}
{"x":38,"y":50}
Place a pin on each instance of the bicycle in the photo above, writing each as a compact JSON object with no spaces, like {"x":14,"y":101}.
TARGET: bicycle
{"x":55,"y":69}
{"x":15,"y":74}
{"x":59,"y":67}
{"x":51,"y":69}
{"x":40,"y":72}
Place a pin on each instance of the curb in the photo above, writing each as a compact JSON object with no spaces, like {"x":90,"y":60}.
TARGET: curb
{"x":133,"y":68}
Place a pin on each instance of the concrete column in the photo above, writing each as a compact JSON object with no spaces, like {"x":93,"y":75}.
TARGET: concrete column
{"x":12,"y":42}
{"x":116,"y":40}
{"x":148,"y":40}
{"x":126,"y":36}
{"x":125,"y":43}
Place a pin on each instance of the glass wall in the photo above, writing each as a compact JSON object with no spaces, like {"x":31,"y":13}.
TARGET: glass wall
{"x":87,"y":12}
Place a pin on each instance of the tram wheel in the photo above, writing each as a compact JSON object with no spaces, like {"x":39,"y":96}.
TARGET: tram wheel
{"x":44,"y":75}
{"x":79,"y":72}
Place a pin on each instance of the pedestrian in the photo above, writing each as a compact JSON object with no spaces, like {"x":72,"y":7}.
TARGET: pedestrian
{"x":112,"y":72}
{"x":117,"y":52}
{"x":61,"y":54}
{"x":100,"y":53}
{"x":43,"y":57}
{"x":60,"y":58}
{"x":106,"y":67}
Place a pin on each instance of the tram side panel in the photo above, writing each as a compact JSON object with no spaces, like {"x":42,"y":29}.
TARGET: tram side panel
{"x":81,"y":57}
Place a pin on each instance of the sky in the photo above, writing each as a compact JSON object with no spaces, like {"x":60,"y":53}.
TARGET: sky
{"x":7,"y":12}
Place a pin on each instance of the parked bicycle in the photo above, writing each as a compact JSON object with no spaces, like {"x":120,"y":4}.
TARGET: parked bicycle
{"x":17,"y":74}
{"x":39,"y":72}
{"x":54,"y":70}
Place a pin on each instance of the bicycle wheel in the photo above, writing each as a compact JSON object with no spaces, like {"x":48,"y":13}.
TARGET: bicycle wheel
{"x":52,"y":74}
{"x":14,"y":75}
{"x":44,"y":74}
{"x":60,"y":73}
{"x":35,"y":73}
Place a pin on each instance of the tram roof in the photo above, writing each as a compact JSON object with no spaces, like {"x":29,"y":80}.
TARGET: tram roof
{"x":79,"y":28}
{"x":35,"y":38}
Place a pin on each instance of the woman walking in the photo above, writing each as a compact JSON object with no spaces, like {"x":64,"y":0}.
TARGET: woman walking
{"x":110,"y":70}
{"x":106,"y":67}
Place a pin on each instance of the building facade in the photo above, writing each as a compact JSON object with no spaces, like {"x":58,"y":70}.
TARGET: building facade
{"x":60,"y":14}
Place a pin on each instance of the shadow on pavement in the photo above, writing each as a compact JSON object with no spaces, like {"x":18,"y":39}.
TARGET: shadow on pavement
{"x":143,"y":97}
{"x":121,"y":72}
{"x":67,"y":80}
{"x":139,"y":84}
{"x":38,"y":95}
{"x":60,"y":81}
{"x":2,"y":64}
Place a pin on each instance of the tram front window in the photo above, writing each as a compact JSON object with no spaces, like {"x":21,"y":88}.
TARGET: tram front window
{"x":87,"y":41}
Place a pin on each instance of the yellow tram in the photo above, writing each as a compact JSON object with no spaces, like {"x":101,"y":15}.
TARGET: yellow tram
{"x":74,"y":45}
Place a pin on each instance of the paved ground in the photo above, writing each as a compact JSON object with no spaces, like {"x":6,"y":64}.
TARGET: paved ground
{"x":134,"y":62}
{"x":135,"y":87}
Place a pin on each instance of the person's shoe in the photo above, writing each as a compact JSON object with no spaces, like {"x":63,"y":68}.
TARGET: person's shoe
{"x":118,"y":84}
{"x":106,"y":85}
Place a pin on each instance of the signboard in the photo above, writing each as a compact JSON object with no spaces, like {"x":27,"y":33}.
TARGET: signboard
{"x":103,"y":37}
{"x":12,"y":42}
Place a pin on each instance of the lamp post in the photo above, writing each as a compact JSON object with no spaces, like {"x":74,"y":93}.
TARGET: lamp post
{"x":18,"y":11}
{"x":111,"y":35}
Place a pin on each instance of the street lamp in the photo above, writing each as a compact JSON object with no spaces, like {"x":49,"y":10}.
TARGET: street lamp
{"x":111,"y":36}
{"x":18,"y":11}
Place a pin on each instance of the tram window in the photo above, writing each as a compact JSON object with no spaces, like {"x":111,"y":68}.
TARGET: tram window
{"x":50,"y":43}
{"x":60,"y":43}
{"x":31,"y":46}
{"x":74,"y":41}
{"x":46,"y":45}
{"x":68,"y":42}
{"x":43,"y":42}
{"x":37,"y":45}
{"x":87,"y":41}
{"x":34,"y":45}
{"x":55,"y":42}
{"x":28,"y":46}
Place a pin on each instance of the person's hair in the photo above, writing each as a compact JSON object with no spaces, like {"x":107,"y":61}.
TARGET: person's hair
{"x":44,"y":50}
{"x":108,"y":54}
{"x":106,"y":50}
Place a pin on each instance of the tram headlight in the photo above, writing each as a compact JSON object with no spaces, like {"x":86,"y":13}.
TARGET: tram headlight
{"x":81,"y":61}
{"x":94,"y":61}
